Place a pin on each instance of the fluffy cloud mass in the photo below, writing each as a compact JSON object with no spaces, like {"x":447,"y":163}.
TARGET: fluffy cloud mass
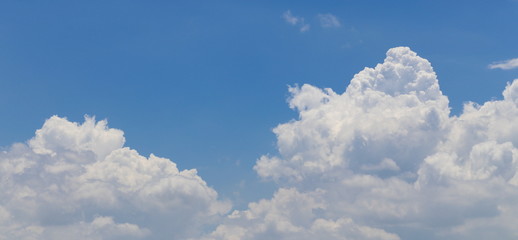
{"x":382,"y":160}
{"x":77,"y":181}
{"x":385,"y":160}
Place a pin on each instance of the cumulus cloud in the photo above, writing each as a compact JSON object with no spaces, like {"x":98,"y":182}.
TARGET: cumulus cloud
{"x":328,"y":20}
{"x":382,"y":160}
{"x":292,"y":215}
{"x":78,"y":180}
{"x":385,"y":160}
{"x":394,"y":111}
{"x":295,"y":21}
{"x":505,"y":65}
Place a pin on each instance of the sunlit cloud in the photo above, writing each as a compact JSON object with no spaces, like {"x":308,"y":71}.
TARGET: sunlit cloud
{"x":78,"y":181}
{"x":385,"y":160}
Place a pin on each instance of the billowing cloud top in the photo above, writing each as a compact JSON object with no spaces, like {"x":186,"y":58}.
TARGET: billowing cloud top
{"x":383,"y":160}
{"x":390,"y":114}
{"x":78,"y":181}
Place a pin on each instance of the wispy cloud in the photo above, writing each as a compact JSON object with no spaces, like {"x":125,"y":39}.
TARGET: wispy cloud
{"x":295,"y":21}
{"x":505,"y":65}
{"x":304,"y":28}
{"x":328,"y":20}
{"x":289,"y":18}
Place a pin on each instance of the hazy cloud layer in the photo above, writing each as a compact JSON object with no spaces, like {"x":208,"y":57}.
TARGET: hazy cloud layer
{"x":293,"y":215}
{"x":328,"y":20}
{"x":384,"y":160}
{"x":505,"y":65}
{"x":77,"y":181}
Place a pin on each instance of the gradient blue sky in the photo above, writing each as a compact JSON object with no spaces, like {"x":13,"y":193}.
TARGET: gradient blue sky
{"x":204,"y":82}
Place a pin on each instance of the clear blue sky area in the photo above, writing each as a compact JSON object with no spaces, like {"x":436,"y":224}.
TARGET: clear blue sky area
{"x":204,"y":82}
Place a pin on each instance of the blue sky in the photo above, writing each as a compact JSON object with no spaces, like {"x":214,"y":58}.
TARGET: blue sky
{"x":203,"y":83}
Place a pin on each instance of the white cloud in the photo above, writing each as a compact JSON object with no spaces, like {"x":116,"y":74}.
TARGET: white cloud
{"x":395,"y":111}
{"x":505,"y":65}
{"x":99,"y":229}
{"x":78,"y":180}
{"x":328,"y":20}
{"x":295,"y":21}
{"x":382,"y":160}
{"x":292,"y":215}
{"x":385,"y":160}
